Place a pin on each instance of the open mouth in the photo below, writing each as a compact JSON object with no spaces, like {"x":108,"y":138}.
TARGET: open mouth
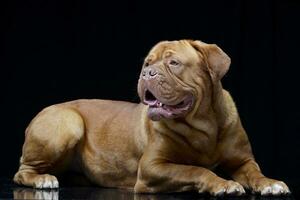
{"x":158,"y":109}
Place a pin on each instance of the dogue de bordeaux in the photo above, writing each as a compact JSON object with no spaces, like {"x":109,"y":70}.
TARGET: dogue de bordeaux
{"x":185,"y":126}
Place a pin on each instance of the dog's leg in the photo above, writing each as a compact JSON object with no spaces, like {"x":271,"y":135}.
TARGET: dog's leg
{"x":50,"y":137}
{"x":250,"y":176}
{"x":169,"y":177}
{"x":239,"y":161}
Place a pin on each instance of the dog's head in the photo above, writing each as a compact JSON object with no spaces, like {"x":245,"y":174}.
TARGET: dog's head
{"x":176,"y":75}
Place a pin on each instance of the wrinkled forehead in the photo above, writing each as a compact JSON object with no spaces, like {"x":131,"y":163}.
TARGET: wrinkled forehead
{"x":181,"y":50}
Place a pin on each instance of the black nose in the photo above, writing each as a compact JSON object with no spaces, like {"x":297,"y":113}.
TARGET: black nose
{"x":149,"y":72}
{"x":152,"y":72}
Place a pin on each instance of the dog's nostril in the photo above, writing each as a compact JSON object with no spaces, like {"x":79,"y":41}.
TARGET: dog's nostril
{"x":152,"y":73}
{"x":149,"y":73}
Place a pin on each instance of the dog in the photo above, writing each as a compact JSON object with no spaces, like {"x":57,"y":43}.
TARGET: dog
{"x":185,"y":126}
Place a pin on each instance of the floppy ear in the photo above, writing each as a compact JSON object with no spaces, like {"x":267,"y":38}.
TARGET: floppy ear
{"x":218,"y":61}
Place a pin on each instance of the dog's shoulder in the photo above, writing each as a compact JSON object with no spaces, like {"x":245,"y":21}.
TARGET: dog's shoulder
{"x":229,"y":110}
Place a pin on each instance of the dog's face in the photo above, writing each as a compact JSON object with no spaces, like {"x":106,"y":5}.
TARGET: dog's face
{"x":176,"y":75}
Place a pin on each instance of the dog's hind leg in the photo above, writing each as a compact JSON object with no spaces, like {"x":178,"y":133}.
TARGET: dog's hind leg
{"x":50,"y":139}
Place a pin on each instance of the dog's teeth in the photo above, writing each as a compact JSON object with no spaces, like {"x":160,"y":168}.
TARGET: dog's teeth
{"x":160,"y":104}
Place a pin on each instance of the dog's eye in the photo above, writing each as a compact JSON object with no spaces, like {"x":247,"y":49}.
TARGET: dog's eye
{"x":173,"y":63}
{"x":146,"y":64}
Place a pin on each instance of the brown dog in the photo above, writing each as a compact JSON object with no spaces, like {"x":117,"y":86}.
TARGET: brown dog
{"x":188,"y":126}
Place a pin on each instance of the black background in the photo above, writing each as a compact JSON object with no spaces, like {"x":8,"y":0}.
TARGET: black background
{"x":54,"y":51}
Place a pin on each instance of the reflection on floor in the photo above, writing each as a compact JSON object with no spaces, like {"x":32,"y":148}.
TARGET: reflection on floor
{"x":8,"y":190}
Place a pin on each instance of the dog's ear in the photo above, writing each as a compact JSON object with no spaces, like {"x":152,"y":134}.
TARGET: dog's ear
{"x":217,"y":60}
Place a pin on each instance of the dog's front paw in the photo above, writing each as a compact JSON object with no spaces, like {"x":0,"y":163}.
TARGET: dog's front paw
{"x":45,"y":181}
{"x":226,"y":188}
{"x":267,"y":186}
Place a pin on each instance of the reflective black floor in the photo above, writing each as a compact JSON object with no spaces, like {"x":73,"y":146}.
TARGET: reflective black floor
{"x":8,"y":190}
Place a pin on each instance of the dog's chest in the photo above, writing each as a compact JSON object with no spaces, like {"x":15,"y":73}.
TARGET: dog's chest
{"x":204,"y":148}
{"x":200,"y":142}
{"x":201,"y":135}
